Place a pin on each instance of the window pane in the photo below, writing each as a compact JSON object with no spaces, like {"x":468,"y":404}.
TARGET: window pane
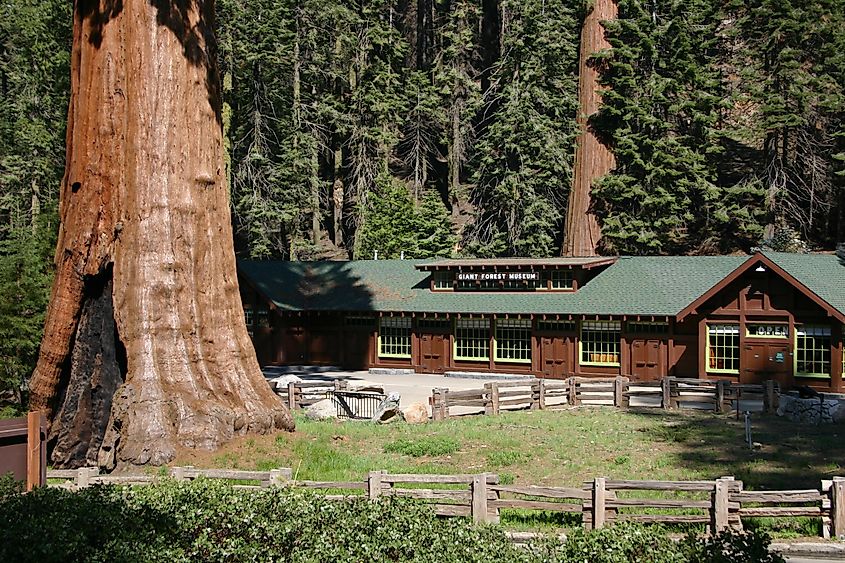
{"x":723,"y":348}
{"x":812,"y":350}
{"x":513,"y":340}
{"x":395,"y":337}
{"x":472,"y":339}
{"x":600,"y":342}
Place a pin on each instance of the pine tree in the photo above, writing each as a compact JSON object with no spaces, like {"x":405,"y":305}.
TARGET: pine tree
{"x":523,"y":157}
{"x":661,"y":115}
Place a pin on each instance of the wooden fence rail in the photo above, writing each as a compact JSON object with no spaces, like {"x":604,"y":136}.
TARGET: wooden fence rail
{"x":302,"y":394}
{"x":668,"y":393}
{"x":718,"y":504}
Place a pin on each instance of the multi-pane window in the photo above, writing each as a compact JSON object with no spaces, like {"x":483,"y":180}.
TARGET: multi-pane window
{"x":248,"y":317}
{"x":360,"y":321}
{"x":513,"y":340}
{"x":472,"y":339}
{"x":434,"y":324}
{"x":441,"y":280}
{"x":394,"y":337}
{"x":560,"y":279}
{"x":600,"y":342}
{"x":723,"y":348}
{"x":648,"y":328}
{"x":556,"y":326}
{"x":812,"y":350}
{"x":264,"y":317}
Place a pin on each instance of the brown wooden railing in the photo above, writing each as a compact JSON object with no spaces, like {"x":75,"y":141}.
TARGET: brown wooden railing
{"x":668,"y":393}
{"x":718,"y":504}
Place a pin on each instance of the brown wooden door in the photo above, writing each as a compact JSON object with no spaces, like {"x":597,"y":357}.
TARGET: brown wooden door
{"x":291,"y":348}
{"x":553,"y":354}
{"x":356,"y":349}
{"x":432,"y":357}
{"x":762,"y":361}
{"x":645,"y":360}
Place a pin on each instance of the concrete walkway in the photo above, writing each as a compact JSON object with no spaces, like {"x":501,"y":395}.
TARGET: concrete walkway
{"x":412,"y":388}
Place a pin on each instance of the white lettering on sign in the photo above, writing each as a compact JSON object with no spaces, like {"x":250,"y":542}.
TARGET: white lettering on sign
{"x":768,"y":330}
{"x":498,"y":276}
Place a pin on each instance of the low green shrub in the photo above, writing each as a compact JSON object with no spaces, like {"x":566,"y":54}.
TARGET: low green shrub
{"x":426,"y":445}
{"x":210,"y":521}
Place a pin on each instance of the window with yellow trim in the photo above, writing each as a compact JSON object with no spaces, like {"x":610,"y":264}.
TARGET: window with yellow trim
{"x":394,"y":337}
{"x":441,"y":281}
{"x":560,"y":279}
{"x":600,"y":342}
{"x":723,"y":348}
{"x":513,"y":340}
{"x":472,"y":339}
{"x":812,"y":350}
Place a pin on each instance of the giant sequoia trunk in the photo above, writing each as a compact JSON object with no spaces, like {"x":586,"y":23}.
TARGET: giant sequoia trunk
{"x":593,"y":159}
{"x":145,"y":347}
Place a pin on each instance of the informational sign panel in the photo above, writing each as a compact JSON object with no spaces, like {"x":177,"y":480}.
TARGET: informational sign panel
{"x":768,"y":330}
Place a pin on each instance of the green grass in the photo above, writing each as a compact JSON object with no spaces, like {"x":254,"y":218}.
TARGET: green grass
{"x":562,"y":448}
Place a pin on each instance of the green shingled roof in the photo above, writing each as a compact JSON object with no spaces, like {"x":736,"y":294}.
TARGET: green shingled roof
{"x":660,"y":286}
{"x":823,"y":274}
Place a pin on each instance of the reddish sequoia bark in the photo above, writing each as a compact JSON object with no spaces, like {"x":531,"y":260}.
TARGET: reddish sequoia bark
{"x":593,"y":159}
{"x":144,"y":210}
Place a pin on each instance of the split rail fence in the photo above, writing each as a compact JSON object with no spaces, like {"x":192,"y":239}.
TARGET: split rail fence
{"x":540,"y":394}
{"x":718,"y":504}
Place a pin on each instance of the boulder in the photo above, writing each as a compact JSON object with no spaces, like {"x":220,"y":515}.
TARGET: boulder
{"x":281,"y":383}
{"x":322,"y":410}
{"x":416,"y":413}
{"x":388,"y":410}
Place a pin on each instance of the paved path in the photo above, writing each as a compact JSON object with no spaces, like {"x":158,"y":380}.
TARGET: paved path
{"x":412,"y":388}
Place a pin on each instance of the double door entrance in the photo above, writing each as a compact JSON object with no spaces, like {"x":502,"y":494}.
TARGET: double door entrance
{"x":557,"y":356}
{"x":433,"y":352}
{"x":647,"y":360}
{"x":762,"y":361}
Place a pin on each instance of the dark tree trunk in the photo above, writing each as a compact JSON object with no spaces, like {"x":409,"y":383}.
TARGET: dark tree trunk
{"x":593,"y":159}
{"x":491,"y":29}
{"x":144,"y":212}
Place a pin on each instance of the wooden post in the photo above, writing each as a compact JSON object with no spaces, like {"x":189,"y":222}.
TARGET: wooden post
{"x":491,"y":406}
{"x":573,"y":392}
{"x":619,"y":387}
{"x":83,"y":476}
{"x":178,"y":473}
{"x":770,"y":397}
{"x":34,"y":469}
{"x":280,"y":477}
{"x":541,"y":395}
{"x":374,"y":484}
{"x":719,"y":517}
{"x":479,"y":498}
{"x":444,"y":404}
{"x":666,"y":386}
{"x":291,"y":396}
{"x":719,"y":405}
{"x":599,"y":496}
{"x":837,"y":507}
{"x":434,"y":403}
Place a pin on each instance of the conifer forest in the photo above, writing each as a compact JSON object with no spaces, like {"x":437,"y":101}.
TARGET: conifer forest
{"x":424,"y":128}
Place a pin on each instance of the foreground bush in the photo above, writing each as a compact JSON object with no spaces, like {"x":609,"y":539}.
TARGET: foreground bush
{"x":208,"y":521}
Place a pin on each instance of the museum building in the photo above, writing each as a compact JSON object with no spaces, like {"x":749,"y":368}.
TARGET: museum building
{"x":743,"y":318}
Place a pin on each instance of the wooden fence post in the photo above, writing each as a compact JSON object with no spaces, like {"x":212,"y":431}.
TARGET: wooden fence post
{"x":374,"y":479}
{"x":719,"y":405}
{"x":538,"y":391}
{"x":433,"y":402}
{"x":620,"y":385}
{"x":444,"y":404}
{"x":573,"y":392}
{"x":83,"y":476}
{"x":479,"y":498}
{"x":599,"y":496}
{"x":291,"y":396}
{"x":34,"y":469}
{"x":769,"y":397}
{"x":178,"y":473}
{"x":280,"y":477}
{"x":719,"y":519}
{"x":666,"y":387}
{"x":491,"y":406}
{"x":837,"y":507}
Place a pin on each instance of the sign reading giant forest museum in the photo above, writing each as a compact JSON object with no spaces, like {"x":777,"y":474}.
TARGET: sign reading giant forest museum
{"x":498,"y":276}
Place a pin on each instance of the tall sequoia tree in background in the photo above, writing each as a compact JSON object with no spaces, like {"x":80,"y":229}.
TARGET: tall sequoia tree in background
{"x":593,"y":158}
{"x":145,"y":346}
